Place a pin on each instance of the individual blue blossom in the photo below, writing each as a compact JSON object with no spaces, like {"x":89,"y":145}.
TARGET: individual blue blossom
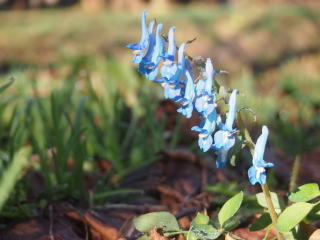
{"x":140,"y":48}
{"x":205,"y":131}
{"x":257,"y":173}
{"x":157,"y":53}
{"x":205,"y":101}
{"x":224,"y":139}
{"x":145,"y":66}
{"x":187,"y":101}
{"x":172,"y":85}
{"x":172,"y":46}
{"x":169,"y":67}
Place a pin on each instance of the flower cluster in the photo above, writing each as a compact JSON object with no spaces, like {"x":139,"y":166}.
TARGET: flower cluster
{"x":161,"y":61}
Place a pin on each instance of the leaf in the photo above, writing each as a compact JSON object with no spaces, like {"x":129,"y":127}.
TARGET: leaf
{"x":230,"y":208}
{"x":206,"y":231}
{"x":6,"y":85}
{"x":263,"y":222}
{"x":232,"y":223}
{"x":305,"y":193}
{"x":292,"y":215}
{"x":200,"y":219}
{"x":145,"y":223}
{"x":262,"y":200}
{"x":13,"y":173}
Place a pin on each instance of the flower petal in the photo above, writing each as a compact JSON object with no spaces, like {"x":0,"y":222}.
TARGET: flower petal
{"x":260,"y":146}
{"x":232,"y":110}
{"x":205,"y":143}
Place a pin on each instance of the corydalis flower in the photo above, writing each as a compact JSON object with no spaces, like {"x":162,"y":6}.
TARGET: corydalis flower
{"x":205,"y":102}
{"x":224,"y":139}
{"x":150,"y":62}
{"x":145,"y":65}
{"x":169,"y":67}
{"x":158,"y":52}
{"x":205,"y":131}
{"x":189,"y":94}
{"x":140,"y":48}
{"x":257,"y":173}
{"x":171,"y":85}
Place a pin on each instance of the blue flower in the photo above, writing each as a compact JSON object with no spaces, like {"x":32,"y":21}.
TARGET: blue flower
{"x":189,"y":94}
{"x":157,"y":53}
{"x":172,"y":84}
{"x":140,"y":48}
{"x":257,"y":173}
{"x":224,"y":139}
{"x":172,"y":47}
{"x":205,"y":131}
{"x":169,"y":67}
{"x":205,"y":101}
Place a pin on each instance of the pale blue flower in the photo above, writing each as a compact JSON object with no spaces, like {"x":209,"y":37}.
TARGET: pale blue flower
{"x":169,"y":67}
{"x":157,"y":53}
{"x":205,"y":101}
{"x":145,"y":66}
{"x":205,"y":131}
{"x":224,"y":139}
{"x":172,"y":84}
{"x":140,"y":48}
{"x":189,"y":94}
{"x":257,"y":173}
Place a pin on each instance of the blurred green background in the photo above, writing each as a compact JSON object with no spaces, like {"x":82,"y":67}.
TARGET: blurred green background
{"x":77,"y":98}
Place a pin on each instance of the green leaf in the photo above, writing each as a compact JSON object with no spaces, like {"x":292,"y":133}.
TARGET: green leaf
{"x":206,"y":231}
{"x":232,"y":223}
{"x":6,"y":85}
{"x":200,"y":219}
{"x":230,"y":208}
{"x":305,"y":193}
{"x":263,"y":222}
{"x":13,"y":173}
{"x":145,"y":223}
{"x":292,"y":215}
{"x":262,"y":200}
{"x":191,"y":236}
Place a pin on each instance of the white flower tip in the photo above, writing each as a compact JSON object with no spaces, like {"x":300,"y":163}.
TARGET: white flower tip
{"x":172,"y":29}
{"x":209,"y":67}
{"x":265,"y":130}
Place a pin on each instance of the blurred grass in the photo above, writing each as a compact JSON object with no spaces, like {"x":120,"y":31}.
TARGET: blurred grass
{"x":274,"y":48}
{"x":77,"y":98}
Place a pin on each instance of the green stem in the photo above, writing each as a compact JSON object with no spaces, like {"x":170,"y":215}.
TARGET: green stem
{"x":271,"y":209}
{"x":295,"y":173}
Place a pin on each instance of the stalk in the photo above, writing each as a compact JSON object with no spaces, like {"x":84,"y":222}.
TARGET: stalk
{"x":271,"y":209}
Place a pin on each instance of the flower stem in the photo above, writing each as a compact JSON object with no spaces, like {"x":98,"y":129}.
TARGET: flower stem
{"x":271,"y":209}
